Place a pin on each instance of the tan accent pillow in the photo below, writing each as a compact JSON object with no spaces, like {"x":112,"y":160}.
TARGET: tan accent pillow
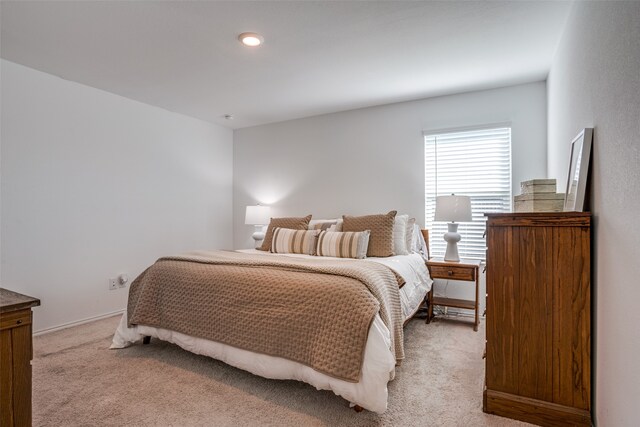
{"x":286,"y":241}
{"x":301,"y":223}
{"x":381,"y":226}
{"x":351,"y":244}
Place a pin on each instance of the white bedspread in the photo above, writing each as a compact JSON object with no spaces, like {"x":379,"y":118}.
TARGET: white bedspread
{"x":378,"y":366}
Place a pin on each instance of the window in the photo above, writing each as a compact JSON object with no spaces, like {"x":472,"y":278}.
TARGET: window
{"x":475,"y":163}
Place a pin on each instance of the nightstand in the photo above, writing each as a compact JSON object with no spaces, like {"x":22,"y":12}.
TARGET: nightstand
{"x":465,"y":270}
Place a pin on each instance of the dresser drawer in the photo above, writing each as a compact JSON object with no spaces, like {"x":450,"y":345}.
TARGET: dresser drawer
{"x":14,"y":319}
{"x":453,"y":273}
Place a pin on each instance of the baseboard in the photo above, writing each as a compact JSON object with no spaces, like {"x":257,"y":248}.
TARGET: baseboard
{"x":533,"y":411}
{"x":77,"y":322}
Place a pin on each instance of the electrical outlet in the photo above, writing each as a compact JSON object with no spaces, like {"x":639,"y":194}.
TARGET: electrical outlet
{"x":113,"y":284}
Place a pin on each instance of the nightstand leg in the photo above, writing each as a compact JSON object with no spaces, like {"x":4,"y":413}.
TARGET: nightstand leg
{"x":475,"y":326}
{"x":430,"y":308}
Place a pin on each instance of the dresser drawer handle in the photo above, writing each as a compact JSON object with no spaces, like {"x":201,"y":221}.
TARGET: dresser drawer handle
{"x":18,"y":322}
{"x":450,"y":273}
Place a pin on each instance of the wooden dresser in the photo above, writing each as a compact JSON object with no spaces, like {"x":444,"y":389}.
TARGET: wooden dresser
{"x":16,"y":352}
{"x":538,"y":356}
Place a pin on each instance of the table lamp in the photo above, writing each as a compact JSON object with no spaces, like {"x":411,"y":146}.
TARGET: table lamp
{"x":452,"y":209}
{"x":258,"y":216}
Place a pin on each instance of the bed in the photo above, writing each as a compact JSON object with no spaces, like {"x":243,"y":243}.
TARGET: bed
{"x":382,"y":346}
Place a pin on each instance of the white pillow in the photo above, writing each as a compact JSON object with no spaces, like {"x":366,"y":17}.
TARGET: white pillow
{"x":400,"y":235}
{"x":418,"y":244}
{"x":409,"y":235}
{"x":414,"y":239}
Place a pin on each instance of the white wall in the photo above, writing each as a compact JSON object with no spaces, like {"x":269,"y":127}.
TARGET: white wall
{"x":372,"y":160}
{"x":94,"y":185}
{"x":595,"y":82}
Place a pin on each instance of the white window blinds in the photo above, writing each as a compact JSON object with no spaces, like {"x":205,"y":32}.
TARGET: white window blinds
{"x":475,"y":163}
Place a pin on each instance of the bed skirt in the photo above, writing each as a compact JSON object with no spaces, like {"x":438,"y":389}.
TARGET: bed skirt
{"x":370,"y":392}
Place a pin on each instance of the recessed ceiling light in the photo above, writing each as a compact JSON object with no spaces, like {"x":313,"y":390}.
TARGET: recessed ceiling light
{"x":251,"y":39}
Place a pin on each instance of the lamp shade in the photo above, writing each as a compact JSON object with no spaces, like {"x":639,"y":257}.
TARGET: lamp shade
{"x":453,"y":208}
{"x":257,"y":215}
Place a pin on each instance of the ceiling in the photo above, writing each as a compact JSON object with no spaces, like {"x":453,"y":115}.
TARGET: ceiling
{"x":318,"y":56}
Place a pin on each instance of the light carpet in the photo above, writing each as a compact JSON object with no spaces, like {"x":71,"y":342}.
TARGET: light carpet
{"x":78,"y":381}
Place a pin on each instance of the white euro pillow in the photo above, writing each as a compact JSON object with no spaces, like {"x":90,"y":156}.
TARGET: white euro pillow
{"x":400,"y":235}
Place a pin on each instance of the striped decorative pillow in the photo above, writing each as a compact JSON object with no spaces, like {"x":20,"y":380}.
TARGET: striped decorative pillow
{"x":291,"y":223}
{"x":287,"y":241}
{"x":352,"y":244}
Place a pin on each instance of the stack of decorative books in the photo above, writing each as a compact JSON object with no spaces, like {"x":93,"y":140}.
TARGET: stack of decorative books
{"x":539,"y":195}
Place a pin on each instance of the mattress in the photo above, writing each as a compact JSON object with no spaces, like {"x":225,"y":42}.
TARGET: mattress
{"x":378,"y":366}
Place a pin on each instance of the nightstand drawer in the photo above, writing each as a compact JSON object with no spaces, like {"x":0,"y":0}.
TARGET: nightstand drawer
{"x":454,"y":273}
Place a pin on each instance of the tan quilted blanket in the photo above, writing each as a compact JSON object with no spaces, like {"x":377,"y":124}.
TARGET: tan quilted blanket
{"x":316,"y":312}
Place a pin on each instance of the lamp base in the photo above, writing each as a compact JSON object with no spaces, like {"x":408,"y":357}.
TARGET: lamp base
{"x":258,"y":234}
{"x":452,"y":237}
